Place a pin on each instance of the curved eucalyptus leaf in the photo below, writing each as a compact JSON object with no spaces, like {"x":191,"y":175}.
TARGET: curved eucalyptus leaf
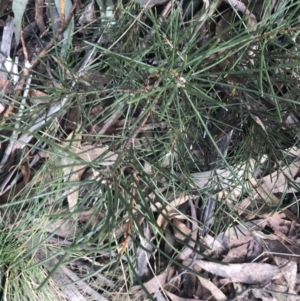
{"x":18,"y":8}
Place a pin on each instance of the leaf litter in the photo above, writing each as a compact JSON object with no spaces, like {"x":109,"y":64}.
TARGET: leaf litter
{"x":256,"y":257}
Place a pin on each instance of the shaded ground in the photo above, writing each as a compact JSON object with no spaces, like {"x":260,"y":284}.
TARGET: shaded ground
{"x":149,"y":150}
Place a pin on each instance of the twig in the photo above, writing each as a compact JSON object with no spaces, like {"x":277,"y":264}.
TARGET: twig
{"x":62,"y":12}
{"x":44,"y":51}
{"x":26,"y":73}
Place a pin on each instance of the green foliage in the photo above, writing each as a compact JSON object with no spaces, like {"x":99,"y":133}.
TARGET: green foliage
{"x":173,"y":92}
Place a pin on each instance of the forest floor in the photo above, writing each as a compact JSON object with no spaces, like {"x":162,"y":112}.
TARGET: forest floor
{"x":150,"y":150}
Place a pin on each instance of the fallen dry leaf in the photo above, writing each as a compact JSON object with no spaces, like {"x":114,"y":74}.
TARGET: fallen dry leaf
{"x":250,"y":273}
{"x":89,"y":153}
{"x":278,"y":181}
{"x":260,"y":294}
{"x":188,"y":249}
{"x":293,"y":151}
{"x":66,"y":228}
{"x":5,"y":85}
{"x":215,"y":245}
{"x":88,"y":15}
{"x":255,"y":249}
{"x":236,"y":236}
{"x":2,"y":108}
{"x":155,"y":283}
{"x":289,"y":272}
{"x":70,"y":170}
{"x":280,"y":249}
{"x":237,"y":254}
{"x":181,"y":231}
{"x":171,"y":207}
{"x":39,"y":16}
{"x":25,"y":170}
{"x":215,"y":291}
{"x":144,"y":253}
